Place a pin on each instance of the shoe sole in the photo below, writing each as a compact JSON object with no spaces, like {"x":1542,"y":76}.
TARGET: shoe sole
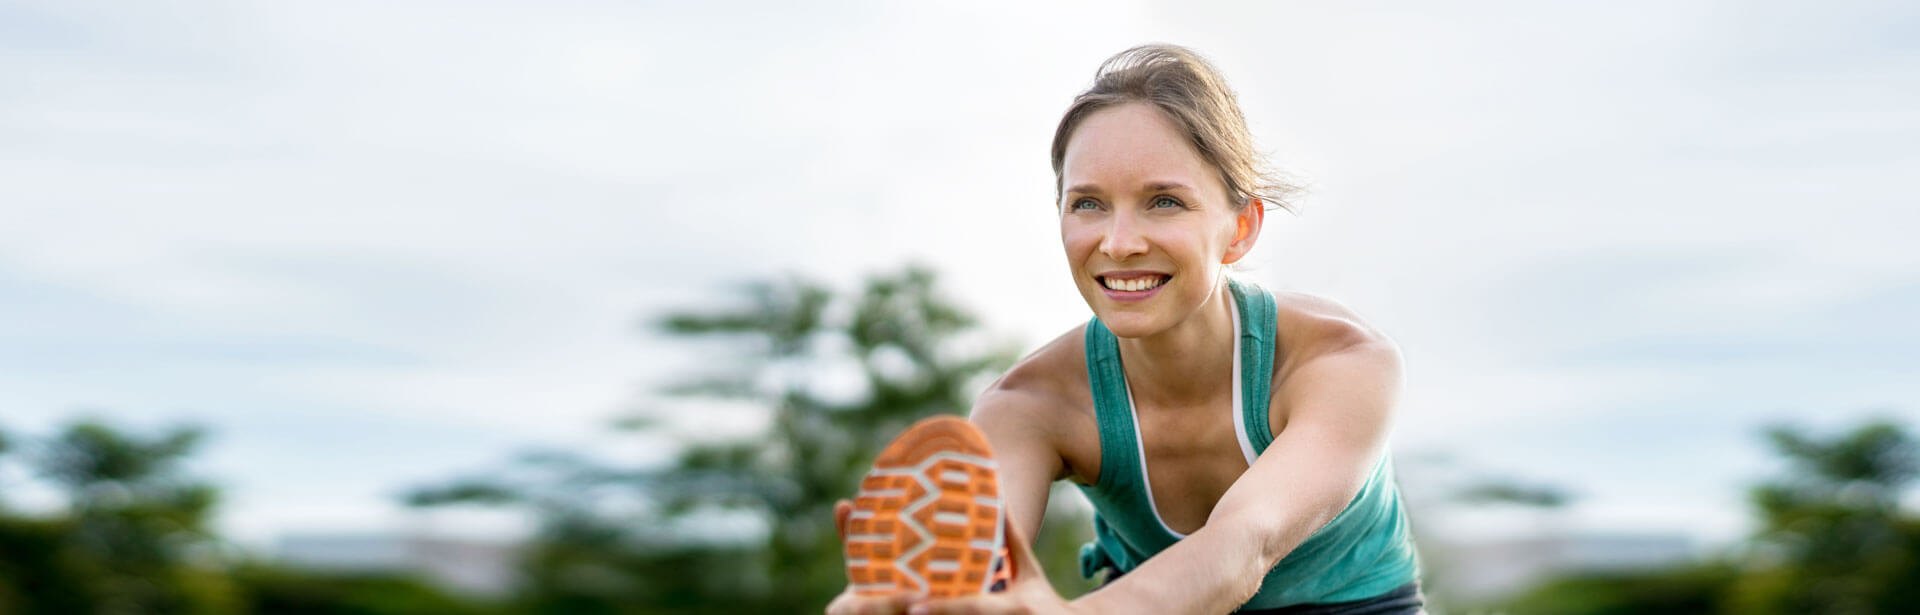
{"x":928,"y":519}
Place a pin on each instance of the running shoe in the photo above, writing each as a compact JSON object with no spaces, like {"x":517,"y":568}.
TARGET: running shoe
{"x":928,"y":519}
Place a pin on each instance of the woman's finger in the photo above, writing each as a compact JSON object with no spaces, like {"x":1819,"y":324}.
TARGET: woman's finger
{"x":891,"y":604}
{"x":839,"y":604}
{"x":987,"y":604}
{"x":842,"y":510}
{"x":849,"y":603}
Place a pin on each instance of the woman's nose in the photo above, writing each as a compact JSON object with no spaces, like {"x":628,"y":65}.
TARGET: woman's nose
{"x":1123,"y":238}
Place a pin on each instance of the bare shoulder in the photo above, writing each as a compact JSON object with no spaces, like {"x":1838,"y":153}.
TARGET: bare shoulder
{"x":1327,"y":351}
{"x":1312,"y":326}
{"x":1039,"y":387}
{"x":1043,"y":401}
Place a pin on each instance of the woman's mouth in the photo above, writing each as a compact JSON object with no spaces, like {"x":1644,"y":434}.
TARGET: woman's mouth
{"x":1133,"y":286}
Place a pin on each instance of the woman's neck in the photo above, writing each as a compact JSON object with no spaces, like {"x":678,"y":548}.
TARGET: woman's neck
{"x":1187,"y":364}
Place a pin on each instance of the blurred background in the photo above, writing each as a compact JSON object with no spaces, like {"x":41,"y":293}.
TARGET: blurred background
{"x":596,"y":307}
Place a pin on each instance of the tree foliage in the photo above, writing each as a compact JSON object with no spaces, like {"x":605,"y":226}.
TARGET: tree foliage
{"x":134,"y":537}
{"x":628,"y":540}
{"x":1682,"y":590}
{"x":1511,"y":492}
{"x":134,"y":527}
{"x":1832,"y":539}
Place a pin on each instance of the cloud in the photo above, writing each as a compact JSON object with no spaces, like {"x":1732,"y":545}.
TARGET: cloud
{"x":1583,"y":224}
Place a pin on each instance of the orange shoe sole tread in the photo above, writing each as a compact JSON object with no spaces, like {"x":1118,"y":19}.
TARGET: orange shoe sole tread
{"x":928,"y":518}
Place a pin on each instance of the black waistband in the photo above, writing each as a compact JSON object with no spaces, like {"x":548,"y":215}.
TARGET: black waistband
{"x":1404,"y":600}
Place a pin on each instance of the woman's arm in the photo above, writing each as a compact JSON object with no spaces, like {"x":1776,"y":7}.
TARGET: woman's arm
{"x":1027,"y":463}
{"x":1016,"y":426}
{"x":1340,"y":404}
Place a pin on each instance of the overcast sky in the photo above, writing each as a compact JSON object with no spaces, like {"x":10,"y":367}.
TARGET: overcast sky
{"x":375,"y":244}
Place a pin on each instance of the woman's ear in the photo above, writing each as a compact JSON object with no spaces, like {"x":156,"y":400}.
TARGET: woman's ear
{"x":1247,"y":229}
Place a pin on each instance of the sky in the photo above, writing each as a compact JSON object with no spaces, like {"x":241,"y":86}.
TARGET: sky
{"x":375,"y":245}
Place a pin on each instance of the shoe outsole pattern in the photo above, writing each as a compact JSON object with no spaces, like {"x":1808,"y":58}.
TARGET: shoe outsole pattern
{"x":928,"y":519}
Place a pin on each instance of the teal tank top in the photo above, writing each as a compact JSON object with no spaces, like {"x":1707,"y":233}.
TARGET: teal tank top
{"x":1363,"y":552}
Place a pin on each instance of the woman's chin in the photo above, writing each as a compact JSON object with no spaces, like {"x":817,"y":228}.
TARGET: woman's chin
{"x":1130,"y":325}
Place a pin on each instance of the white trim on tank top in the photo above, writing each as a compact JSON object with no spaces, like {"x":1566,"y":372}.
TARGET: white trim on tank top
{"x":1239,"y":424}
{"x":1239,"y":414}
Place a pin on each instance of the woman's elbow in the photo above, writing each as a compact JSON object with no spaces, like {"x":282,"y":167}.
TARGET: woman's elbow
{"x":1271,"y":533}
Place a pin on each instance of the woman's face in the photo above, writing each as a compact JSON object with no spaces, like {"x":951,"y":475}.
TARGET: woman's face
{"x":1146,"y":222}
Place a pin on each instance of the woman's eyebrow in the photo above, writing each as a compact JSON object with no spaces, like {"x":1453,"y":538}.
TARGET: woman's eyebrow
{"x":1150,"y":187}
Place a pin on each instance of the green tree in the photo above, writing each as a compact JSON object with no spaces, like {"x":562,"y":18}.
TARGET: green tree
{"x":1833,"y":538}
{"x":281,"y":591}
{"x":628,"y":540}
{"x":134,"y":537}
{"x":1682,"y":590}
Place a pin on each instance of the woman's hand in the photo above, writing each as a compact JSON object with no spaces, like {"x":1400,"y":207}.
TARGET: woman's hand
{"x":849,"y":603}
{"x":1028,"y":594}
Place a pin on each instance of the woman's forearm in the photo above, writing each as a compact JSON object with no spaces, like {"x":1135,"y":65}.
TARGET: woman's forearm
{"x":1215,"y":570}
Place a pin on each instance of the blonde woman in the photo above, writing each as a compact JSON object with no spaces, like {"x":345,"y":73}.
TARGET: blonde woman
{"x":1231,"y":439}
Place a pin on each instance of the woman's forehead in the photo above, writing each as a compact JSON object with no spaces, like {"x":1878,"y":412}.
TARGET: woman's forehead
{"x":1132,"y":147}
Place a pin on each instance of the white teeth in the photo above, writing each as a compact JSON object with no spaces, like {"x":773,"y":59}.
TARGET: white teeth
{"x":1135,"y":284}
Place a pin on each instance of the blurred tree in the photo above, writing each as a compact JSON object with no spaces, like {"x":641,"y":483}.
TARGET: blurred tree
{"x":282,"y":591}
{"x":1685,"y":590}
{"x":1833,"y":538}
{"x":1511,"y":492}
{"x":39,"y":571}
{"x":134,"y":538}
{"x":5,"y":445}
{"x":625,"y":540}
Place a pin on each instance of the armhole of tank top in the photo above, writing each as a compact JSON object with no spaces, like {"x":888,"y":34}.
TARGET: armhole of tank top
{"x":1113,"y":451}
{"x":1239,"y":400}
{"x":1264,"y":331}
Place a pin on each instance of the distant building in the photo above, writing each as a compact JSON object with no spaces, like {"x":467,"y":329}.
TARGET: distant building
{"x":467,"y":566}
{"x":1495,"y":568}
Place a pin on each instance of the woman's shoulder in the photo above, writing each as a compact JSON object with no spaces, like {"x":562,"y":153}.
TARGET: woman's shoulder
{"x":1311,"y":326}
{"x":1323,"y":341}
{"x":1043,"y":400}
{"x":1056,"y":371}
{"x":1051,"y":378}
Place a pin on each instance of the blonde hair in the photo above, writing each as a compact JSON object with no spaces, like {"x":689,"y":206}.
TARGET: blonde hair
{"x":1193,"y":94}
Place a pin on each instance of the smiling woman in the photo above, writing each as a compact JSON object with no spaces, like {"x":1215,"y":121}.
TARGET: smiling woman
{"x":1192,"y":95}
{"x":1231,"y":439}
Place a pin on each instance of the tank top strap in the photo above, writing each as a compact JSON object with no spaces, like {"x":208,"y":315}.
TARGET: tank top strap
{"x":1257,"y":338}
{"x":1118,"y":449}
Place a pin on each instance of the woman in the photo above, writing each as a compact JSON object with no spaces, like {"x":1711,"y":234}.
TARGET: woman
{"x":1232,"y":440}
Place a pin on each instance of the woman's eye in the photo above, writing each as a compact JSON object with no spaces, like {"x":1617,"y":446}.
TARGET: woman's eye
{"x":1166,"y":201}
{"x":1083,"y":204}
